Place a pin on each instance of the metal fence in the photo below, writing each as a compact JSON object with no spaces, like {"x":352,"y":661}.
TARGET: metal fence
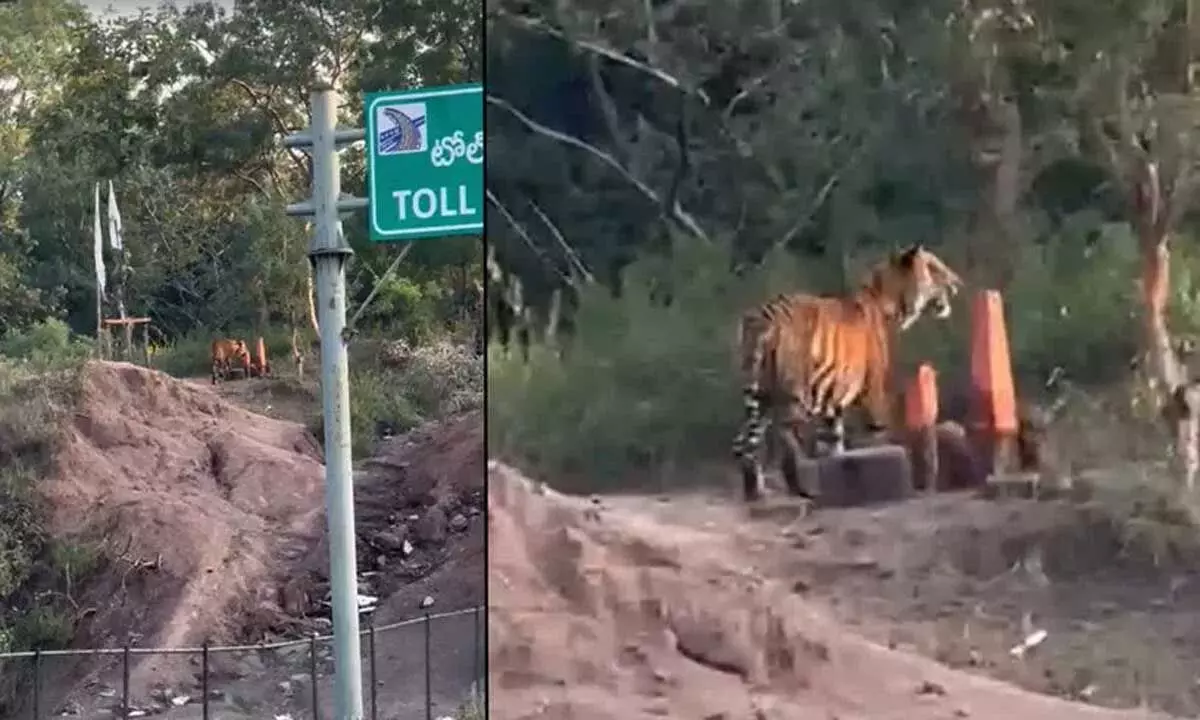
{"x":285,"y":679}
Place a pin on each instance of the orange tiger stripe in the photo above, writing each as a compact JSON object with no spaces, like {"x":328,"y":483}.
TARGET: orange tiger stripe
{"x":807,"y":358}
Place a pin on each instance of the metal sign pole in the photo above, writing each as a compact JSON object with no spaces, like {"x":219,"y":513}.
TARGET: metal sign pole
{"x":328,"y":253}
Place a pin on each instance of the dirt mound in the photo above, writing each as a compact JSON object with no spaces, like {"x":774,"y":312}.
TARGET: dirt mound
{"x":419,"y":507}
{"x":200,"y":506}
{"x":589,"y":604}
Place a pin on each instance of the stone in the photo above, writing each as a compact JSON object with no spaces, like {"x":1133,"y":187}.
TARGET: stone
{"x":430,"y":529}
{"x":392,"y":539}
{"x":863,"y":476}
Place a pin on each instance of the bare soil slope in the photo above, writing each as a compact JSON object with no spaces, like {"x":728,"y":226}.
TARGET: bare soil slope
{"x":212,"y":523}
{"x":605,"y":610}
{"x":202,"y":506}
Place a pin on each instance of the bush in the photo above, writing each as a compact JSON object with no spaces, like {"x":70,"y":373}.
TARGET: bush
{"x":45,"y":344}
{"x":472,"y":709}
{"x":408,"y":306}
{"x":33,"y":404}
{"x":435,"y":381}
{"x":646,"y":385}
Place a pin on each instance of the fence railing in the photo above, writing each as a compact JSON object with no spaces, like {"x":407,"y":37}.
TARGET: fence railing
{"x":400,"y":673}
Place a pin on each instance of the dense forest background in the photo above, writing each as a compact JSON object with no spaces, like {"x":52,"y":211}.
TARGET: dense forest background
{"x":657,"y":165}
{"x":183,"y":109}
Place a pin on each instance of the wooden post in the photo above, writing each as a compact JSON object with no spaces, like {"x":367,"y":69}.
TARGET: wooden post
{"x":993,"y":423}
{"x":920,"y":420}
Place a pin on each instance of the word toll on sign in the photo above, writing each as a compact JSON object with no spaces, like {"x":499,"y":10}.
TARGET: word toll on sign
{"x":425,"y":162}
{"x":425,"y":203}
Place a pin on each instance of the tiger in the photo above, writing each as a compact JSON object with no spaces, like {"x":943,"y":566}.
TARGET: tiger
{"x":225,"y":353}
{"x":807,"y":358}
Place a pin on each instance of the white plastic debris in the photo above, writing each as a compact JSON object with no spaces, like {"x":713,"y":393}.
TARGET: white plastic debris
{"x":1032,"y":640}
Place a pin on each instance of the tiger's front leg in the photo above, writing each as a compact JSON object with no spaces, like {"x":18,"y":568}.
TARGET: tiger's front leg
{"x":746,"y":447}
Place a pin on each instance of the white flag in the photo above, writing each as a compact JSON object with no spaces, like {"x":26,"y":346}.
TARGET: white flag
{"x":98,"y":247}
{"x":114,"y":221}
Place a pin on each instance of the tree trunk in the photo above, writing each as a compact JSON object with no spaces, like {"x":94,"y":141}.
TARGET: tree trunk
{"x":1178,"y":400}
{"x":995,"y":127}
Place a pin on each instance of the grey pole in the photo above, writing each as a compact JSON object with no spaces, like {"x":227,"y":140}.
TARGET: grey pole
{"x":329,"y":253}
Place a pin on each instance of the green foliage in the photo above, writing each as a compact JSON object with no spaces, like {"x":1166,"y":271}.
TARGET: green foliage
{"x":191,"y":355}
{"x":407,"y":305}
{"x":427,"y":383}
{"x":647,"y":388}
{"x":32,"y":405}
{"x":45,"y":344}
{"x":644,"y":384}
{"x":181,"y":109}
{"x":35,"y":569}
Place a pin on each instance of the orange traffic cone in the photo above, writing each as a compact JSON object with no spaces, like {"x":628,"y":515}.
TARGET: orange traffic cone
{"x":993,"y":422}
{"x":920,"y":420}
{"x":263,"y":368}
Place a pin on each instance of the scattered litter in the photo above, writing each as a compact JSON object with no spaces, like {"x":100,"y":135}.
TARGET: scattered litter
{"x":1032,"y":640}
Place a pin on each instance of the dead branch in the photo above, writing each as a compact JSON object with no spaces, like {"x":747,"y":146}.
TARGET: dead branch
{"x":525,"y":237}
{"x":608,"y":108}
{"x":280,"y":126}
{"x":569,"y":251}
{"x":134,"y":565}
{"x":677,"y":213}
{"x":378,"y":284}
{"x":656,"y":73}
{"x":822,"y":196}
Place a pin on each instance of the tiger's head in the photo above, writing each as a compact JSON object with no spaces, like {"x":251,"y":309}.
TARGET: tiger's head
{"x":914,"y":282}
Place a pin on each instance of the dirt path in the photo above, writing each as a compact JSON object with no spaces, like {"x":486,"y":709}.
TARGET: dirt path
{"x":689,"y":608}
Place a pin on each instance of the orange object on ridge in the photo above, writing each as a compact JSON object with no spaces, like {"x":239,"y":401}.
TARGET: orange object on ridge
{"x":262,"y":355}
{"x":994,"y":405}
{"x":921,"y":399}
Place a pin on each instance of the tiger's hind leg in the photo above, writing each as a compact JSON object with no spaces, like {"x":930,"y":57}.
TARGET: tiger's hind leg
{"x":828,"y":435}
{"x":748,"y":443}
{"x":798,"y":440}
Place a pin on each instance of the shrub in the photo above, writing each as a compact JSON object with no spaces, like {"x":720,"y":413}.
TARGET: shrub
{"x":45,"y":344}
{"x":649,"y":387}
{"x":435,"y":381}
{"x":646,"y":383}
{"x":33,"y":403}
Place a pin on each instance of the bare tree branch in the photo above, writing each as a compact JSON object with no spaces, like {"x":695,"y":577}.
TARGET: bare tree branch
{"x":280,"y":126}
{"x":660,"y":75}
{"x":569,"y":251}
{"x":677,"y":213}
{"x":822,"y":196}
{"x":526,"y":238}
{"x":378,"y":284}
{"x":608,"y":108}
